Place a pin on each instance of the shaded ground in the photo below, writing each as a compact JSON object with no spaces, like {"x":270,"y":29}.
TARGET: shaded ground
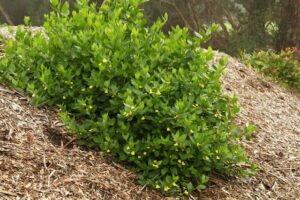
{"x":38,"y":160}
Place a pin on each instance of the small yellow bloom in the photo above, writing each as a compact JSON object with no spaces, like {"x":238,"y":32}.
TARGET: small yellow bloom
{"x":186,"y":192}
{"x":83,"y":89}
{"x":91,"y":87}
{"x":156,"y":111}
{"x":168,"y":129}
{"x":155,"y":165}
{"x":33,"y":95}
{"x":128,"y":148}
{"x":139,"y":157}
{"x":64,"y":97}
{"x":104,"y":60}
{"x":166,"y":188}
{"x":176,"y":144}
{"x":198,"y":144}
{"x":157,"y":186}
{"x":132,"y":153}
{"x":218,"y":157}
{"x":108,"y":151}
{"x":145,"y":153}
{"x":158,"y":93}
{"x":143,"y":118}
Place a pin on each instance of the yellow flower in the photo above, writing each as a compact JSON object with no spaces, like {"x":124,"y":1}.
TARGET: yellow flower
{"x":158,"y":93}
{"x":83,"y":89}
{"x":157,"y":187}
{"x":108,"y":151}
{"x":198,"y":144}
{"x":168,"y":129}
{"x":145,"y":153}
{"x":91,"y":87}
{"x":166,"y":188}
{"x":104,"y":60}
{"x":33,"y":95}
{"x":176,"y":144}
{"x":139,"y":157}
{"x":143,"y":118}
{"x":132,"y":153}
{"x":64,"y":97}
{"x":186,"y":192}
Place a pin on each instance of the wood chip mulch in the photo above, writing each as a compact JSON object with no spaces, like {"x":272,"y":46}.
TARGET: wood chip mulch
{"x":39,"y":160}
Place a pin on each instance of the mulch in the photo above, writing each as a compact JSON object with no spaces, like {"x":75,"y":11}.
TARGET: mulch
{"x":40,"y":160}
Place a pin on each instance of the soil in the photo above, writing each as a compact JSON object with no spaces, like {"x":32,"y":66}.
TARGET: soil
{"x":40,"y":160}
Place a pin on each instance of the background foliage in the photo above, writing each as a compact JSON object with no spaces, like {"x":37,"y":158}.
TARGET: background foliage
{"x":246,"y":25}
{"x":282,"y":67}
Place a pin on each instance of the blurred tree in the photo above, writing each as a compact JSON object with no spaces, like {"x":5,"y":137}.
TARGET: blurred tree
{"x":289,"y":25}
{"x":245,"y":24}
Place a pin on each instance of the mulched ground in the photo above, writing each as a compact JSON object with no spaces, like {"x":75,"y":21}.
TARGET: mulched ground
{"x":39,"y":160}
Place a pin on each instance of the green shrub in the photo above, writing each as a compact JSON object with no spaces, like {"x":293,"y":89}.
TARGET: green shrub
{"x":146,"y":98}
{"x":281,"y":67}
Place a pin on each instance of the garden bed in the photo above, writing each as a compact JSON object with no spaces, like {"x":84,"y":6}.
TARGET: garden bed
{"x":39,"y":160}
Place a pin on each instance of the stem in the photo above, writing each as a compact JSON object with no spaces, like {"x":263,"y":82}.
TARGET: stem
{"x":180,"y":14}
{"x":6,"y":16}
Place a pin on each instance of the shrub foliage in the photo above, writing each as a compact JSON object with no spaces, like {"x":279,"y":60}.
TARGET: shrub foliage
{"x":146,"y":98}
{"x":280,"y":66}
